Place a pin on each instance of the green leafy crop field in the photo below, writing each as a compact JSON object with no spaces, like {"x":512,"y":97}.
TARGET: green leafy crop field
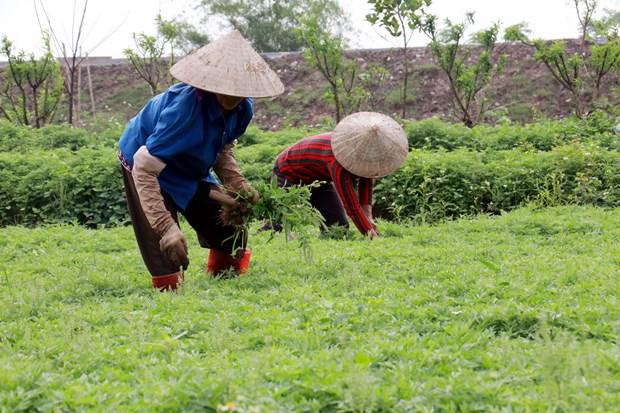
{"x":514,"y":313}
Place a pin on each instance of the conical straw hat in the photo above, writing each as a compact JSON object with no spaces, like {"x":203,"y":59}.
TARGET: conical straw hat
{"x":229,"y":66}
{"x":369,"y":144}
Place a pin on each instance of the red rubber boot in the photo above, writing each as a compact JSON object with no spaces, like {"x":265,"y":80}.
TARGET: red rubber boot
{"x":220,"y":261}
{"x":167,"y":282}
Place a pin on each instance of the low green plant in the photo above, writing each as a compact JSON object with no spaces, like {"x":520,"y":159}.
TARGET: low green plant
{"x":83,"y":187}
{"x":514,"y":313}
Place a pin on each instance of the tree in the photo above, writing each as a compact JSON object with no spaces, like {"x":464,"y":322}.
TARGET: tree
{"x":148,"y":58}
{"x":400,"y":18}
{"x":73,"y":54}
{"x":188,"y":37}
{"x":32,"y":88}
{"x":324,"y":52}
{"x":469,"y":70}
{"x":270,"y":24}
{"x":372,"y":78}
{"x":606,"y":27}
{"x":580,"y":71}
{"x":585,"y":13}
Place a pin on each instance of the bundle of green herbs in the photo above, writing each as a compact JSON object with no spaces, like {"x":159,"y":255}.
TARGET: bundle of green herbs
{"x":287,"y":210}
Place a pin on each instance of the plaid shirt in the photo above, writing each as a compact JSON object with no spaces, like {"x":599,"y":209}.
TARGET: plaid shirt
{"x":312,"y":159}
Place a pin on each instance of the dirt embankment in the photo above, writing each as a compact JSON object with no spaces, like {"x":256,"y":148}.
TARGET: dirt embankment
{"x":524,"y":90}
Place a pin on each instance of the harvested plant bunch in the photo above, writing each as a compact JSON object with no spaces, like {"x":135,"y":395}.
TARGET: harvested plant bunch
{"x":287,"y":209}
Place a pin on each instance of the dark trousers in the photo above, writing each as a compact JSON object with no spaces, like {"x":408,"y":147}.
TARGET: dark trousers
{"x":202,"y":214}
{"x":324,"y":198}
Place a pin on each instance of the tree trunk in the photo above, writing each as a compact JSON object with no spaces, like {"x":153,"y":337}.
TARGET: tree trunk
{"x":35,"y":107}
{"x":91,"y":93}
{"x":78,"y":104}
{"x":71,"y":95}
{"x":337,"y":102}
{"x":405,"y":81}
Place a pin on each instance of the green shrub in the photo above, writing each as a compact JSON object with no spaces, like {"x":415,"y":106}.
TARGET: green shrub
{"x":84,"y":187}
{"x":14,"y":137}
{"x":257,"y":150}
{"x":257,"y":161}
{"x":432,"y":186}
{"x":253,"y":135}
{"x":433,"y":134}
{"x":23,"y":138}
{"x":42,"y":184}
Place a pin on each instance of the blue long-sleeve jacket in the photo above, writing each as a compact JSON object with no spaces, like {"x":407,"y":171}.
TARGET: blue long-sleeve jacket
{"x":186,"y":129}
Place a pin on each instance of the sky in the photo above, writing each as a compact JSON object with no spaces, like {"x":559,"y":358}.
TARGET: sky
{"x":110,"y":23}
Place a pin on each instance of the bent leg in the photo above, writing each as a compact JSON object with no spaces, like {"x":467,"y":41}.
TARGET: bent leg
{"x":148,"y":241}
{"x":227,"y":244}
{"x":326,"y":200}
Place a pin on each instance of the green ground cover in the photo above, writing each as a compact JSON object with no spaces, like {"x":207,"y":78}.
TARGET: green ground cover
{"x":511,"y":313}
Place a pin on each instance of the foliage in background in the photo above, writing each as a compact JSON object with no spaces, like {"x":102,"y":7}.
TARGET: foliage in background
{"x":401,"y":19}
{"x":581,"y":72}
{"x":469,"y":71}
{"x":155,"y":55}
{"x":188,"y":37}
{"x":609,"y":24}
{"x":433,"y":186}
{"x":585,"y":10}
{"x":324,"y":52}
{"x":30,"y":88}
{"x":82,"y":187}
{"x":270,"y":24}
{"x":59,"y":174}
{"x":25,"y":139}
{"x":435,"y":135}
{"x":373,"y":77}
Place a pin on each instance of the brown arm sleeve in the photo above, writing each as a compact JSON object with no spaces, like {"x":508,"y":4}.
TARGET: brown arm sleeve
{"x":146,"y":169}
{"x":227,"y":169}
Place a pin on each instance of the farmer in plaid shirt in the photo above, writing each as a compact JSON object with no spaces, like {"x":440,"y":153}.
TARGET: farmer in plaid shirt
{"x":363,"y":146}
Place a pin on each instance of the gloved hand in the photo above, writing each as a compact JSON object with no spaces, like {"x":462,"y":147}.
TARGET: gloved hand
{"x":174,"y":246}
{"x":245,"y":190}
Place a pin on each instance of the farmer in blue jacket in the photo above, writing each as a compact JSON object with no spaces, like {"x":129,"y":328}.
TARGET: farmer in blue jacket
{"x":170,"y":150}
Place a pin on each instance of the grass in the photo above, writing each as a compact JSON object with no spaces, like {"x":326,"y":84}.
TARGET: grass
{"x":517,"y":313}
